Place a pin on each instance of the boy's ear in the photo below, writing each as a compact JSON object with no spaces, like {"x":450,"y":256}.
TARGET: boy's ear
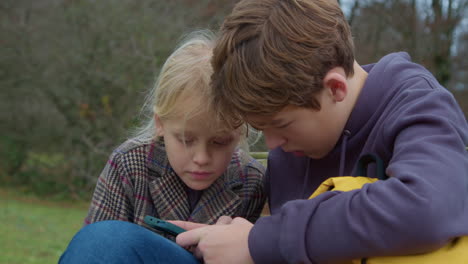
{"x":159,"y":126}
{"x":335,"y":80}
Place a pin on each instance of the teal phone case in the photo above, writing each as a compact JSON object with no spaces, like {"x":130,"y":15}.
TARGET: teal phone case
{"x":163,"y":226}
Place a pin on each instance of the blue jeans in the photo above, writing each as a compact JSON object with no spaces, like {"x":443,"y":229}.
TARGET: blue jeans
{"x":123,"y":242}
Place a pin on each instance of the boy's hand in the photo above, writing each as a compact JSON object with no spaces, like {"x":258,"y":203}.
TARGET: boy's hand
{"x":186,"y":225}
{"x":220,"y":243}
{"x":223,"y":220}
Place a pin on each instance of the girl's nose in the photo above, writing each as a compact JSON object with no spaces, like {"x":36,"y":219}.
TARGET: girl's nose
{"x":201,"y":156}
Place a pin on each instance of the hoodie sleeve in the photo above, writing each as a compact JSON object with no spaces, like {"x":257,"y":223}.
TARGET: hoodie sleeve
{"x":419,"y":208}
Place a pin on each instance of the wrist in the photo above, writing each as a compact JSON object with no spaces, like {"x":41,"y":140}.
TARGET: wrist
{"x":263,"y":242}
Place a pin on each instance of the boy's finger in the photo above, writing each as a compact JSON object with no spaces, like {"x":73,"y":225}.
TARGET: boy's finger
{"x":186,"y":225}
{"x":191,"y":237}
{"x":197,"y":253}
{"x":224,"y":220}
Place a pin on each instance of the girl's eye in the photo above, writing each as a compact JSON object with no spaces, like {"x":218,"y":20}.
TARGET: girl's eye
{"x":222,"y":141}
{"x":185,"y":140}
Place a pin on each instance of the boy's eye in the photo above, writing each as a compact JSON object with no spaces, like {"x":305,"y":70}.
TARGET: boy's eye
{"x":284,"y":125}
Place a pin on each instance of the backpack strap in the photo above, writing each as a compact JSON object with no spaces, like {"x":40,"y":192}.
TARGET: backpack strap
{"x":365,"y":160}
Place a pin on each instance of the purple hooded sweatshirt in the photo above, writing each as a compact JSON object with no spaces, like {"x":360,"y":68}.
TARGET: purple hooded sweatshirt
{"x":404,"y":116}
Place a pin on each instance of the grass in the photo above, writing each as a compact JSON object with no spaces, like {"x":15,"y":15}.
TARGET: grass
{"x":36,"y":231}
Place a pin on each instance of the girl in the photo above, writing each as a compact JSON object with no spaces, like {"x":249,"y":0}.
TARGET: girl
{"x":185,"y":164}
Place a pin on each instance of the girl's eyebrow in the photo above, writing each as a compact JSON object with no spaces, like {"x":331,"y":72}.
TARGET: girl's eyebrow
{"x":183,"y":133}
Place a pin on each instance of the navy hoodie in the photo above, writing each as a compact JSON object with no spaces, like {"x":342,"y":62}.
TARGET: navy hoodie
{"x":404,"y":116}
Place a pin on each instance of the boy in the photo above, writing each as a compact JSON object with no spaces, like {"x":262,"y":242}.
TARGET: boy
{"x":287,"y":67}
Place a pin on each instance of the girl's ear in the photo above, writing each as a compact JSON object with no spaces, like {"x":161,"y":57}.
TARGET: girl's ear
{"x":159,"y":126}
{"x":335,"y":80}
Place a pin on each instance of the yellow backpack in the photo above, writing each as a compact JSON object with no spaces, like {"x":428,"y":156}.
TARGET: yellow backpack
{"x":455,"y":251}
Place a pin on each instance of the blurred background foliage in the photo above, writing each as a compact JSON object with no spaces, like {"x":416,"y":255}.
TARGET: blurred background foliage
{"x":74,"y":73}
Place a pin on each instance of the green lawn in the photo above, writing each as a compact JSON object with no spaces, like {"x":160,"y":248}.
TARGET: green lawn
{"x":36,"y":231}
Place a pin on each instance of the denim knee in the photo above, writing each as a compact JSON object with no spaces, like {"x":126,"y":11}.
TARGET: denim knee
{"x":122,"y":242}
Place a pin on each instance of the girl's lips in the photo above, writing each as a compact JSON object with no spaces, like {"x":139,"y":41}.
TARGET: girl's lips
{"x":199,"y":175}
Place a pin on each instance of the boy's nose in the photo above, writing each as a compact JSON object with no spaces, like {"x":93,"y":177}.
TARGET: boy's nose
{"x":273,"y":141}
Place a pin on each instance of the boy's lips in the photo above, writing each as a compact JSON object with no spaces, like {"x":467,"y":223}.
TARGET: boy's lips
{"x":298,"y":153}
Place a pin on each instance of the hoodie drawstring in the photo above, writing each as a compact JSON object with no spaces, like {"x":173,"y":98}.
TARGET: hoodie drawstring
{"x":346,"y":134}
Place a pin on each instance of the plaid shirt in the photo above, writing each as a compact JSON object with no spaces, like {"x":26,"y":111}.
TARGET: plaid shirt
{"x":138,"y":181}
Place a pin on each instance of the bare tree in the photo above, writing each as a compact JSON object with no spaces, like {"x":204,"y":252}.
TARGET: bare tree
{"x":385,"y":26}
{"x":75,"y":72}
{"x":442,"y":22}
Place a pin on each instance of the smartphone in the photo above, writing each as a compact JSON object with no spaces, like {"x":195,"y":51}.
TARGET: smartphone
{"x":163,"y":226}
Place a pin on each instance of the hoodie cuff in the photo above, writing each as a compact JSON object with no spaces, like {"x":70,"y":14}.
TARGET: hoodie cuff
{"x":264,"y":240}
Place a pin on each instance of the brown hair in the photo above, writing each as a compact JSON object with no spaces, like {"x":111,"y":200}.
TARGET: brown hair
{"x":274,"y":53}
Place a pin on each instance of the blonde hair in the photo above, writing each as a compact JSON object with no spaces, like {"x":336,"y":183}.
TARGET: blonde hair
{"x":184,"y":77}
{"x":186,"y":73}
